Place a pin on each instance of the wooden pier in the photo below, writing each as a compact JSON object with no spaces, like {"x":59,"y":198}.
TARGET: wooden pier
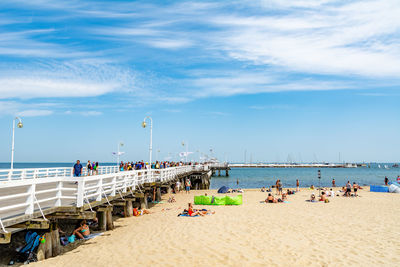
{"x":42,"y":202}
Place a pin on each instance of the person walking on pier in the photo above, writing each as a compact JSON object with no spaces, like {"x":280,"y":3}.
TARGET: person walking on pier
{"x":89,"y":168}
{"x":78,"y":168}
{"x":187,"y":185}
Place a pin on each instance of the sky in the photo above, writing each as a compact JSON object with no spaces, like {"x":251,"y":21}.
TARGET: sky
{"x":261,"y":81}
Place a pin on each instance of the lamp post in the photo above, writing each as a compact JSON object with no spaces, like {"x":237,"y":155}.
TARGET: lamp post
{"x":19,"y":125}
{"x":319,"y":184}
{"x":144,"y":124}
{"x":187,"y":149}
{"x":118,"y":152}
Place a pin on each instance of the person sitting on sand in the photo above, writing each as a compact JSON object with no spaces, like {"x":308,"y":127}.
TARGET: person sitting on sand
{"x":82,"y":231}
{"x":312,"y":187}
{"x":263,"y":189}
{"x":171,"y":199}
{"x":312,"y":198}
{"x":271,"y":199}
{"x":323,"y":197}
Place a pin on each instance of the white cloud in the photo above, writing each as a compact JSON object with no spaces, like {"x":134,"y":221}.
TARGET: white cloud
{"x":64,"y":80}
{"x":14,"y":108}
{"x":91,"y":113}
{"x":34,"y":113}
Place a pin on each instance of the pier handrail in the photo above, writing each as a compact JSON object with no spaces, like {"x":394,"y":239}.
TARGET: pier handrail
{"x":55,"y":187}
{"x":21,"y":174}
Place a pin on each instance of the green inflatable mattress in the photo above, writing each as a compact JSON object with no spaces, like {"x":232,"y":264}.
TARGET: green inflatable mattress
{"x":225,"y":200}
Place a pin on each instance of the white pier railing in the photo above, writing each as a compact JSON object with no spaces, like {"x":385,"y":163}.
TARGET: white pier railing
{"x":25,"y":191}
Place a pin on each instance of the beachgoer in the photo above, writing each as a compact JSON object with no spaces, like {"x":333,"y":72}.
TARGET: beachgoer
{"x":193,"y":212}
{"x":277,"y":186}
{"x":178,"y":186}
{"x":137,"y":212}
{"x":355,"y":188}
{"x":348,"y":189}
{"x":322,"y":198}
{"x":78,"y":168}
{"x":270,"y":199}
{"x":82,"y":231}
{"x":297,"y":185}
{"x":263,"y":189}
{"x":187,"y":185}
{"x":386,"y":180}
{"x":284,"y":198}
{"x":312,"y":197}
{"x":312,"y":187}
{"x":237,"y":182}
{"x":280,"y":187}
{"x":333,"y":183}
{"x":89,"y":168}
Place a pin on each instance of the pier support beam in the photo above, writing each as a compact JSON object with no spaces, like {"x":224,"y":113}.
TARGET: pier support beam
{"x":226,"y":172}
{"x":110,"y":223}
{"x":158,"y":194}
{"x":128,"y":209}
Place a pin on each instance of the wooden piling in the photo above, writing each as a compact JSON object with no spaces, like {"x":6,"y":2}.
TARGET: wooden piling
{"x":48,"y":252}
{"x":110,"y":223}
{"x":129,"y":208}
{"x":101,"y":216}
{"x":158,"y":194}
{"x":55,"y":243}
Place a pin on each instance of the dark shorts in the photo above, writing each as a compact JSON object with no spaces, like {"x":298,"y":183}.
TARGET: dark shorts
{"x":77,"y":174}
{"x":355,"y":189}
{"x":187,"y":188}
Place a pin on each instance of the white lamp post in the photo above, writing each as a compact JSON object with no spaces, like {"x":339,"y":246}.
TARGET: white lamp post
{"x":119,"y":153}
{"x":19,"y":125}
{"x":144,"y":124}
{"x":187,"y":149}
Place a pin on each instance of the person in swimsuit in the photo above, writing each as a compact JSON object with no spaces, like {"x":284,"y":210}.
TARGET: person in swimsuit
{"x":82,"y":231}
{"x":323,"y":197}
{"x":297,"y":185}
{"x":270,"y":199}
{"x":333,"y":183}
{"x":312,"y":198}
{"x":193,"y":212}
{"x":348,"y":189}
{"x":355,"y":188}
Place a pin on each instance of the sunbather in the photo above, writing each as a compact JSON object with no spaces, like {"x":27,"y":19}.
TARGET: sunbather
{"x":271,"y":199}
{"x":137,"y":212}
{"x":82,"y":231}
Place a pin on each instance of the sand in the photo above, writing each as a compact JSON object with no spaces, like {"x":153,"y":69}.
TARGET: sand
{"x":361,"y":231}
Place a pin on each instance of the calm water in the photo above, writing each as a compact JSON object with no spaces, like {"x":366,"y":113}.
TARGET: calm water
{"x":256,"y":178}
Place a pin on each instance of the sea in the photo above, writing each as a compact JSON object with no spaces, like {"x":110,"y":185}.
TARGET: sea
{"x":259,"y":177}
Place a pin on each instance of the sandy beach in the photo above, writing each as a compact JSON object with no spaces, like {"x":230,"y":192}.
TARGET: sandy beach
{"x":360,"y":231}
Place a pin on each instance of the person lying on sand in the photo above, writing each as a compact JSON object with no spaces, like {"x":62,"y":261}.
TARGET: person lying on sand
{"x":271,"y":199}
{"x":193,"y":212}
{"x":82,"y":231}
{"x":137,"y":212}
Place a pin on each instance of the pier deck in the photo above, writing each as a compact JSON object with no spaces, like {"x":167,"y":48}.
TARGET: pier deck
{"x":27,"y":194}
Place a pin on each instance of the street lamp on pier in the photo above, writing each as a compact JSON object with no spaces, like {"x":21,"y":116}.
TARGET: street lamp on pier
{"x":144,"y":124}
{"x":19,"y":125}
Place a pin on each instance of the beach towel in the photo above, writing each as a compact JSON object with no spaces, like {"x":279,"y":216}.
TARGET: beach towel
{"x":187,"y":215}
{"x":93,"y":236}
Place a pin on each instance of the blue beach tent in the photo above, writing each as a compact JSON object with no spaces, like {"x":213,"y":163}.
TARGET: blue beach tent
{"x":223,"y":190}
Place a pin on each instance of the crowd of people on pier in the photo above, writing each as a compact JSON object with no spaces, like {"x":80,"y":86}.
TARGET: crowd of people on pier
{"x":92,"y":166}
{"x":139,"y":165}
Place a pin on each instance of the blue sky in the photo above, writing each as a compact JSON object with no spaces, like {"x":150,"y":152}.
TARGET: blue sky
{"x":297,"y":79}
